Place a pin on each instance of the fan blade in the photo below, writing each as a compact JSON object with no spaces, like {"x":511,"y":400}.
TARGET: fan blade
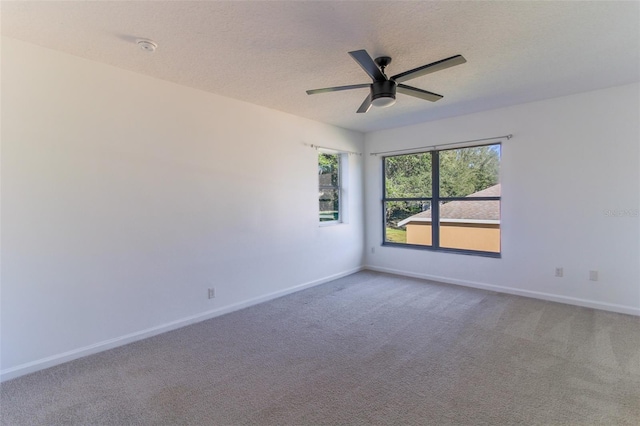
{"x":365,"y":105}
{"x":337,"y":89}
{"x":418,"y":93}
{"x":368,"y":65}
{"x":427,"y":69}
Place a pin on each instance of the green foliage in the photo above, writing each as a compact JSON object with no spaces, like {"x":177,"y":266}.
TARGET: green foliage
{"x":400,"y":210}
{"x":328,"y":169}
{"x":462,"y":172}
{"x":408,"y":176}
{"x":468,"y":170}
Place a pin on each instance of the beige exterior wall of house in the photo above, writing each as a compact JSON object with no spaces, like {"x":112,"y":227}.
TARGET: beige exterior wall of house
{"x":469,"y":236}
{"x":419,"y":233}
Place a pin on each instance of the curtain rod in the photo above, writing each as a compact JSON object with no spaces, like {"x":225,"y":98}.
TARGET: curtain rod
{"x":333,"y":149}
{"x":507,"y":137}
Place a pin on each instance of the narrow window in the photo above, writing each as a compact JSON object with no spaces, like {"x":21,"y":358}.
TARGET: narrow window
{"x":329,"y":194}
{"x":446,"y":200}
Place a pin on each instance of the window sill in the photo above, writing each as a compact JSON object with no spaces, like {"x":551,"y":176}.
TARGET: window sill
{"x":330,"y":223}
{"x":445,"y":250}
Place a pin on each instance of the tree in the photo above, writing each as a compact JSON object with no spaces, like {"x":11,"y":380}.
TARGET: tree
{"x":407,"y":176}
{"x":328,"y":168}
{"x":468,"y":170}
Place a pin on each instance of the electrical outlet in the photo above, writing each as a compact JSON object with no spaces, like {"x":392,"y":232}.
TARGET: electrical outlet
{"x":559,"y":272}
{"x":373,"y":250}
{"x":593,"y":275}
{"x":212,"y":293}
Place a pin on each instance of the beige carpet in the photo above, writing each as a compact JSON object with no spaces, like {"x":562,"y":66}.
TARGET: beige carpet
{"x":366,"y":349}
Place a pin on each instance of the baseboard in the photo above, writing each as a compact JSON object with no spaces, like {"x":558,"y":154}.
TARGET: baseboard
{"x":41,"y":364}
{"x":622,"y":309}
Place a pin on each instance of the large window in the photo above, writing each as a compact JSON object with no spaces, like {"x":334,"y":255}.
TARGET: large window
{"x":329,"y":194}
{"x":445,"y":200}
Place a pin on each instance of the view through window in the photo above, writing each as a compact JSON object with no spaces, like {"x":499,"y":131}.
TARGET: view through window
{"x":329,"y":189}
{"x":444,"y":199}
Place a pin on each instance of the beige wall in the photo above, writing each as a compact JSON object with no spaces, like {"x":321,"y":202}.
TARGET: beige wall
{"x":418,"y":233}
{"x":467,"y":236}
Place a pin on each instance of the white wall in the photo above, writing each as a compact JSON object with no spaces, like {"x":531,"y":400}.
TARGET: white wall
{"x":570,"y":159}
{"x":125,"y":197}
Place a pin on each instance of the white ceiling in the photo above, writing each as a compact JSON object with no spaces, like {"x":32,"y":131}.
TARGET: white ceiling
{"x":268,"y":53}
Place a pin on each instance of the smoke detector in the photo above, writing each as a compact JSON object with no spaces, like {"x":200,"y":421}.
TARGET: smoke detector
{"x":147,"y":45}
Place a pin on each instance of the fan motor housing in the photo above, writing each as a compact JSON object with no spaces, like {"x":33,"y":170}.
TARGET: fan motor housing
{"x":383,"y":93}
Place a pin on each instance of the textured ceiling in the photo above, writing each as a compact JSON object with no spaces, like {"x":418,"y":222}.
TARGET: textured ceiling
{"x":269,"y":53}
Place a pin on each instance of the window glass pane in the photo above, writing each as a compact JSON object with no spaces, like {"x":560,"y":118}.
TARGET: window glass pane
{"x":329,"y":204}
{"x":328,"y":169}
{"x":329,"y":187}
{"x":470,"y":225}
{"x":408,"y":222}
{"x":408,"y":176}
{"x":468,"y":171}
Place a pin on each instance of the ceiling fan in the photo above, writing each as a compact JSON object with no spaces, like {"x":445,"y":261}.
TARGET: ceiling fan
{"x":383,"y":89}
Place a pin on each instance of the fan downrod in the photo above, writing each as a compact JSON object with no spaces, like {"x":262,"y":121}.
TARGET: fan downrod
{"x":382,"y":62}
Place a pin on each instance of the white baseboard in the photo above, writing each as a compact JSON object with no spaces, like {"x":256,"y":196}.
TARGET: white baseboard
{"x":630,"y":310}
{"x":41,"y":364}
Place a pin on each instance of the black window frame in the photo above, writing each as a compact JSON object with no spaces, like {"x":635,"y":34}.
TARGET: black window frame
{"x":434,"y":202}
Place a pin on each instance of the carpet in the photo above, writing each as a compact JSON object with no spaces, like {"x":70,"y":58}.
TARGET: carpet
{"x":370,"y":348}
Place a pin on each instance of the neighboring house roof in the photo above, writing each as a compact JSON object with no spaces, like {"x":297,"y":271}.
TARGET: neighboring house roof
{"x":464,"y":211}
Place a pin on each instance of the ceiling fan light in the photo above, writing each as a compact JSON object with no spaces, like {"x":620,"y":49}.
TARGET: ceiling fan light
{"x":383,"y":93}
{"x":384,"y":101}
